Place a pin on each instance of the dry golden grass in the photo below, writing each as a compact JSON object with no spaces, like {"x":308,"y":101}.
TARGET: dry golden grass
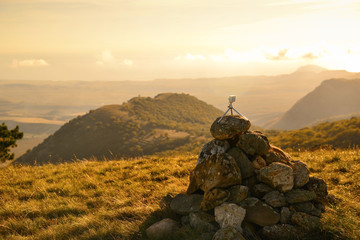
{"x":119,"y":199}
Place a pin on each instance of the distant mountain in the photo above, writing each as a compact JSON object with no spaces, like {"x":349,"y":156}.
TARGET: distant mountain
{"x":311,"y":68}
{"x":141,"y":126}
{"x":338,"y":134}
{"x":332,"y":98}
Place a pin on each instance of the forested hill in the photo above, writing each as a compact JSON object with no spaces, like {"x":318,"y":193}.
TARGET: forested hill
{"x":141,"y":126}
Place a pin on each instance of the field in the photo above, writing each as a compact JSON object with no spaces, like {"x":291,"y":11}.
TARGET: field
{"x":120,"y":199}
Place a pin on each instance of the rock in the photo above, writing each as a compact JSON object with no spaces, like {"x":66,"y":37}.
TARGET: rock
{"x":281,"y":231}
{"x":285,"y":215}
{"x":184,"y":204}
{"x":163,"y":228}
{"x":275,"y":199}
{"x":246,"y":167}
{"x":301,"y":173}
{"x":305,"y":221}
{"x":228,"y":233}
{"x":258,"y":162}
{"x":320,"y":206}
{"x":259,"y":190}
{"x":229,"y":127}
{"x":185,"y":220}
{"x":307,"y":207}
{"x":253,"y":142}
{"x":275,"y":154}
{"x":331,"y":199}
{"x":250,"y":182}
{"x":214,"y":197}
{"x":213,"y":147}
{"x":218,"y":170}
{"x":230,"y":215}
{"x":318,"y":186}
{"x":299,"y":195}
{"x":259,"y":212}
{"x":278,"y":176}
{"x":201,"y":221}
{"x":238,"y":193}
{"x":250,"y":231}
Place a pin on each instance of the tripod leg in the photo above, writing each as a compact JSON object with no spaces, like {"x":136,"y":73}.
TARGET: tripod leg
{"x":240,"y":114}
{"x":223,"y":115}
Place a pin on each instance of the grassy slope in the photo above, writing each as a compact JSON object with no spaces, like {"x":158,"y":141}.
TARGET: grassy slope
{"x":119,"y":199}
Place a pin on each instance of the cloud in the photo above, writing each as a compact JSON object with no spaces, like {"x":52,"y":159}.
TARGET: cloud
{"x":106,"y":58}
{"x":281,"y":55}
{"x":190,"y":57}
{"x":29,"y":63}
{"x":310,"y":56}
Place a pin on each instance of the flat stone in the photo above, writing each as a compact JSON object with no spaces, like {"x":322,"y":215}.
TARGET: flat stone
{"x":253,"y":143}
{"x":259,"y":212}
{"x":218,"y":170}
{"x":230,"y":215}
{"x":299,"y":195}
{"x":213,"y":147}
{"x":184,"y":204}
{"x":301,"y":173}
{"x":285,"y":215}
{"x":278,"y":176}
{"x":318,"y":186}
{"x":229,"y":127}
{"x":275,"y":199}
{"x":306,"y":221}
{"x":258,"y":162}
{"x":259,"y":190}
{"x":280,"y":231}
{"x":238,"y":193}
{"x":228,"y":233}
{"x":201,"y":221}
{"x":275,"y":154}
{"x":245,"y":165}
{"x":307,"y":207}
{"x":163,"y":228}
{"x":214,"y":197}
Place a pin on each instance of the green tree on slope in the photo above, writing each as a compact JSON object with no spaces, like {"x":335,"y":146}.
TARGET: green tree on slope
{"x":7,"y":140}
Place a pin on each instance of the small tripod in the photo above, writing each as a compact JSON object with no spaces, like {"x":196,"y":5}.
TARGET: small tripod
{"x":232,"y":98}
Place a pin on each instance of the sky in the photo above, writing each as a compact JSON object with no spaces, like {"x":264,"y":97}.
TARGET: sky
{"x":151,"y":39}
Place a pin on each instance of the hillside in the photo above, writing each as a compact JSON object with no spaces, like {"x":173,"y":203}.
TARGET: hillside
{"x":332,"y":98}
{"x":338,"y":134}
{"x":142,"y":126}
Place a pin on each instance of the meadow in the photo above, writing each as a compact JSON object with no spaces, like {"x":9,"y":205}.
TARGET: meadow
{"x":119,"y":199}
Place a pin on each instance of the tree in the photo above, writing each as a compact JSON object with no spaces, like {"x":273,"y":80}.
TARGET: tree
{"x":8,"y":140}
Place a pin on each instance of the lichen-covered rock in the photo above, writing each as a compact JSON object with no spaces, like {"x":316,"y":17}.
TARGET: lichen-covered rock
{"x":214,"y":197}
{"x":213,"y":147}
{"x":259,"y":212}
{"x":163,"y":228}
{"x":258,"y":162}
{"x":285,"y":215}
{"x":202,"y":222}
{"x":259,"y":190}
{"x":299,"y":195}
{"x":228,"y":233}
{"x":278,"y":176}
{"x":245,"y":165}
{"x":253,"y":143}
{"x":301,"y":173}
{"x":229,"y":127}
{"x":318,"y":186}
{"x":238,"y":193}
{"x":275,"y":199}
{"x":275,"y":154}
{"x":281,"y":231}
{"x":218,"y":170}
{"x":230,"y":215}
{"x":305,"y":221}
{"x":184,"y":204}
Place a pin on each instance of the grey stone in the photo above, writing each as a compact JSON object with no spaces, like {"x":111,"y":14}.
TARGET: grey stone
{"x":281,"y":231}
{"x":184,"y":204}
{"x":299,"y":195}
{"x":301,"y":173}
{"x":163,"y":228}
{"x":228,"y":233}
{"x":258,"y":162}
{"x":285,"y":215}
{"x":320,"y":206}
{"x":238,"y":193}
{"x":246,"y":167}
{"x":201,"y":221}
{"x":259,"y":190}
{"x":253,"y":143}
{"x":306,"y":221}
{"x":275,"y":199}
{"x":229,"y":127}
{"x":214,"y":197}
{"x":230,"y":214}
{"x":278,"y":176}
{"x":318,"y":186}
{"x":275,"y":154}
{"x":307,"y":207}
{"x":213,"y":147}
{"x":218,"y":170}
{"x":259,"y":212}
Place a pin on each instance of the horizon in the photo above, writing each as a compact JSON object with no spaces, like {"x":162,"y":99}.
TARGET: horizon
{"x":146,"y":40}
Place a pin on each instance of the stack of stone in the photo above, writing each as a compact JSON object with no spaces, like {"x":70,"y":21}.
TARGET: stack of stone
{"x":244,"y":188}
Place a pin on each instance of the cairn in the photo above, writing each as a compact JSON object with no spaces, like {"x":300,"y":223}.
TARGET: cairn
{"x":245,"y":188}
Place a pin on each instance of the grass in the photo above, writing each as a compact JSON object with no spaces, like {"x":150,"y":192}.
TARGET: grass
{"x":120,"y":199}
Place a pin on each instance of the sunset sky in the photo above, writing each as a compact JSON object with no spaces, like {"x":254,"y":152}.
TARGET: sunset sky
{"x":149,"y":39}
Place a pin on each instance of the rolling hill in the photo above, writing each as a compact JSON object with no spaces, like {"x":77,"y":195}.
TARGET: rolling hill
{"x":332,"y":98}
{"x":142,"y":126}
